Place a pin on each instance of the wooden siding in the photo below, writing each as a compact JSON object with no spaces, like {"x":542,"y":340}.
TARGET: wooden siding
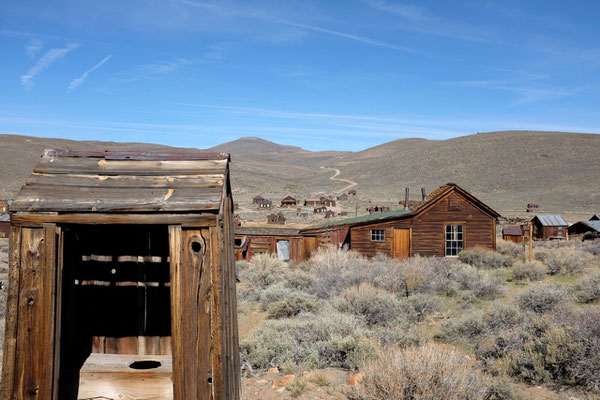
{"x":428,"y":229}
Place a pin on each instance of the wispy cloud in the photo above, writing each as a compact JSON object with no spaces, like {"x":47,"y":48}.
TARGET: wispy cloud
{"x":44,"y":62}
{"x":525,"y":94}
{"x":418,"y":19}
{"x":227,"y":12}
{"x":350,"y":36}
{"x":33,"y":47}
{"x":79,"y":81}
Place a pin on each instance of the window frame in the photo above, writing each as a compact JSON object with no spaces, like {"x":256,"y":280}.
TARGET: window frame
{"x":460,"y":241}
{"x":379,"y":236}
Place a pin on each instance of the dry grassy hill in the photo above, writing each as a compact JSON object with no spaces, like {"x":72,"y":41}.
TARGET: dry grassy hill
{"x":561,"y":171}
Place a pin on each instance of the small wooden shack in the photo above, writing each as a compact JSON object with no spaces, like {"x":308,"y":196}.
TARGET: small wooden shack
{"x":312,"y":202}
{"x":276,"y":219}
{"x":3,"y":207}
{"x":352,"y":192}
{"x":448,"y":220}
{"x":288,"y":202}
{"x":342,"y":197}
{"x":512,"y":234}
{"x":549,"y":227}
{"x":257,"y":199}
{"x":320,"y":210}
{"x":265,"y":204}
{"x":581,"y":228}
{"x":4,"y":226}
{"x":326,"y":201}
{"x":122,"y":281}
{"x":284,"y":243}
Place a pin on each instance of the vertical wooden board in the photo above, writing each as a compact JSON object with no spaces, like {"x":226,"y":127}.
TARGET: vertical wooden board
{"x":35,"y":327}
{"x":217,"y":328}
{"x":196,"y":296}
{"x":59,"y":262}
{"x":10,"y":338}
{"x":176,"y":311}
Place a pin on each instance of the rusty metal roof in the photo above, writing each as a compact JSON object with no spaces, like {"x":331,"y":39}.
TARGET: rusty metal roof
{"x":69,"y":181}
{"x":512,"y":231}
{"x":551,"y":220}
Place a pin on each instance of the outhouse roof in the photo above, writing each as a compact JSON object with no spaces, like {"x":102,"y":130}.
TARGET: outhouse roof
{"x":76,"y":181}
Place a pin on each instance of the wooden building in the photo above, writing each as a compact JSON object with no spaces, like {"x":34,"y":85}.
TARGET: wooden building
{"x":589,"y":228}
{"x":312,"y":202}
{"x":512,"y":234}
{"x":352,"y":192}
{"x":120,"y":261}
{"x":342,"y":197}
{"x":305,"y":213}
{"x":265,"y":204}
{"x":320,"y":210}
{"x":288,"y":202}
{"x":448,"y":220}
{"x":548,"y":227}
{"x":327,"y":202}
{"x":377,"y":209}
{"x":329,"y":214}
{"x":4,"y":226}
{"x":276,"y":219}
{"x":4,"y":207}
{"x":257,"y":199}
{"x":286,"y":244}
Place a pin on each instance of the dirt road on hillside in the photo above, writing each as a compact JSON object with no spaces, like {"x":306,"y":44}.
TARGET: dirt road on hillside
{"x":350,"y":183}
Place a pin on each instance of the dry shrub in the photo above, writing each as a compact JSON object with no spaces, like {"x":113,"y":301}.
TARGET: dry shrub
{"x":481,"y":283}
{"x":508,"y":248}
{"x":327,"y":339}
{"x":484,"y":258}
{"x":533,"y":271}
{"x":292,"y":305}
{"x":418,"y":306}
{"x":376,"y":306}
{"x":543,"y":298}
{"x":562,"y":260}
{"x":431,"y":371}
{"x":263,"y":270}
{"x":588,"y":289}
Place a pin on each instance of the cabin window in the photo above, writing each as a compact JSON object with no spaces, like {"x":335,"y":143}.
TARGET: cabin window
{"x":377,"y":235}
{"x":283,"y":250}
{"x":454,"y":239}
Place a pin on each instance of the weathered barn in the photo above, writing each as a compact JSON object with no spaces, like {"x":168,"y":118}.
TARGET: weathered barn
{"x":4,"y":226}
{"x":591,"y":227}
{"x":277,"y":219}
{"x":320,"y":210}
{"x":288,"y":201}
{"x":512,"y":234}
{"x":286,"y":244}
{"x":257,"y":199}
{"x":448,"y":220}
{"x":326,"y":201}
{"x":342,"y":197}
{"x":122,"y":261}
{"x":548,"y":227}
{"x":312,"y":202}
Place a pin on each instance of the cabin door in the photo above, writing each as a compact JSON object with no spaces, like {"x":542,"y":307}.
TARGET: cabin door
{"x":401,"y":244}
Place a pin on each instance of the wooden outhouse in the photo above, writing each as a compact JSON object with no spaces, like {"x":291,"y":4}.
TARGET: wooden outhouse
{"x":121,"y":279}
{"x":512,"y":234}
{"x":283,"y":243}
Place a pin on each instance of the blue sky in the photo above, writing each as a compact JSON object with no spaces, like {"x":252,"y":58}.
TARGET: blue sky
{"x":343,"y":75}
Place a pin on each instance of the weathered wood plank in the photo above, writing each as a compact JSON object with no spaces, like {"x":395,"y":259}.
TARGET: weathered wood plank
{"x":65,"y":165}
{"x":217,"y":328}
{"x":176,"y":311}
{"x":59,"y":262}
{"x":137,"y":155}
{"x":109,"y":376}
{"x":206,"y":219}
{"x":12,"y":307}
{"x":126,"y":181}
{"x":35,"y":327}
{"x":74,"y":199}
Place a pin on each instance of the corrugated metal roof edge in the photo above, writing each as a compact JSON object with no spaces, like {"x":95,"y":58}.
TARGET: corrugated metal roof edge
{"x":362,"y":219}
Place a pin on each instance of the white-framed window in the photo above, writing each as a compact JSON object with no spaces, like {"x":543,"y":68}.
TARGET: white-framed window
{"x":454,"y":240}
{"x":377,"y":235}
